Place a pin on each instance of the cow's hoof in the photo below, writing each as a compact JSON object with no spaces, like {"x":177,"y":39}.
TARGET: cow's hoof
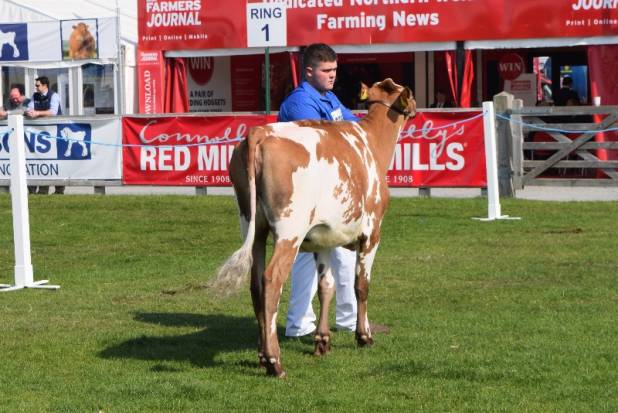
{"x":322,"y":345}
{"x":262,"y":360}
{"x":275,"y":370}
{"x":364,"y":340}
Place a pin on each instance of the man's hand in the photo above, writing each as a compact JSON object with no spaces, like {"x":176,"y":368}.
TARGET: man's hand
{"x":31,"y":113}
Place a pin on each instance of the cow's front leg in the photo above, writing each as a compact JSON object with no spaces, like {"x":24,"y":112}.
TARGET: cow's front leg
{"x":326,"y":290}
{"x":366,"y":255}
{"x":275,"y":275}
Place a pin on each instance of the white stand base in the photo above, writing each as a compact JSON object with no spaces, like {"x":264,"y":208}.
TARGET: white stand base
{"x":498,"y":217}
{"x":37,"y":284}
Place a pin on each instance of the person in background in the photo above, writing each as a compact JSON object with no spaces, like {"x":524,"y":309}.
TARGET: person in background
{"x":441,"y":101}
{"x":314,"y":99}
{"x":566,"y":94}
{"x":17,"y":101}
{"x":44,"y":103}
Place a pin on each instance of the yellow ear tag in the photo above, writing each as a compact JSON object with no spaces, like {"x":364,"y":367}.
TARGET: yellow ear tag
{"x":364,"y":94}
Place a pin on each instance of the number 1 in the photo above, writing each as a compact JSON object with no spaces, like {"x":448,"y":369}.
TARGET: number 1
{"x":265,"y":29}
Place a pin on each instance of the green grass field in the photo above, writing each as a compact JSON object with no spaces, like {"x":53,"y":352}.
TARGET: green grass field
{"x":505,"y":316}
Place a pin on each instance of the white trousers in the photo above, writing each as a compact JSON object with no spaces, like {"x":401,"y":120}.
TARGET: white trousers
{"x":301,"y":317}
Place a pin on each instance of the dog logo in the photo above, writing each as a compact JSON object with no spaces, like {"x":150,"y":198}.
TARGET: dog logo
{"x":74,"y":141}
{"x":13,"y":42}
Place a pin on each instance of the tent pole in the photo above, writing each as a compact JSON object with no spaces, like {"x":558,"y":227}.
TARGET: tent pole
{"x":267,"y":74}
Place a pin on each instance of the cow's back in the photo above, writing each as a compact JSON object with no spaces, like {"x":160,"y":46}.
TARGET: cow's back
{"x":312,"y":174}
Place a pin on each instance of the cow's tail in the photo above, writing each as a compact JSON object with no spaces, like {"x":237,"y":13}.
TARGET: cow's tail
{"x":233,"y":273}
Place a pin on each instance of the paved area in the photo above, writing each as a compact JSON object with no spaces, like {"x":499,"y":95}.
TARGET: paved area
{"x":543,"y":193}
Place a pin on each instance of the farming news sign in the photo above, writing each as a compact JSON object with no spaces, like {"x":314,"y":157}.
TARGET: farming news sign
{"x":208,"y":24}
{"x":433,"y":150}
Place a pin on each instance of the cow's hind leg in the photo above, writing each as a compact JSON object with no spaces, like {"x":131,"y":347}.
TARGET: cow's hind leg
{"x":275,"y":275}
{"x":365,"y":258}
{"x":326,"y":291}
{"x":257,"y":272}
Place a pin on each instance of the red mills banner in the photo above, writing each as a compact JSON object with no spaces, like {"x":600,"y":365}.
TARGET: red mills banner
{"x":438,"y":149}
{"x":187,"y":151}
{"x":434,"y":150}
{"x":206,"y":24}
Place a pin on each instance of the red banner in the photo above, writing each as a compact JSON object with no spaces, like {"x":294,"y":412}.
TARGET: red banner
{"x":150,"y":79}
{"x":435,"y":150}
{"x":440,"y":149}
{"x":200,"y":24}
{"x":191,"y":151}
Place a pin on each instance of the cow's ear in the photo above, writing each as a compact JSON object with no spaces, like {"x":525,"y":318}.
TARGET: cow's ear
{"x":388,"y":85}
{"x":407,"y":102}
{"x":405,"y":97}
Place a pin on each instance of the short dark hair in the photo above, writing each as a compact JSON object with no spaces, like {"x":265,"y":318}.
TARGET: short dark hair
{"x":19,"y":87}
{"x":318,"y":52}
{"x":567,"y":81}
{"x":43,"y":79}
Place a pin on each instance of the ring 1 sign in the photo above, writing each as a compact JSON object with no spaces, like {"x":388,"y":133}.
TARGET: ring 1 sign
{"x":266,"y":24}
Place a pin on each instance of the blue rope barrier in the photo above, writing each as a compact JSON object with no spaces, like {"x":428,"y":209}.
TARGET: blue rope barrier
{"x":188,"y":145}
{"x":448,"y":125}
{"x":543,"y":128}
{"x":135,"y":145}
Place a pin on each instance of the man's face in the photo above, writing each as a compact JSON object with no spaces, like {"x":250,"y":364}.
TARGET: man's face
{"x":15,"y":97}
{"x":40,"y":87}
{"x":322,"y":76}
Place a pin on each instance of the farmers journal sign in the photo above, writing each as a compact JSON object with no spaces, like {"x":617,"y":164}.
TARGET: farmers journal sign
{"x":201,"y":24}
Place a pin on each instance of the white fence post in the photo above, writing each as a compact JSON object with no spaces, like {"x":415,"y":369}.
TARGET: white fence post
{"x":491,"y":163}
{"x":19,"y":205}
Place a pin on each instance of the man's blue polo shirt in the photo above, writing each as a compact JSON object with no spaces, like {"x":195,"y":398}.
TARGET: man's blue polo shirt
{"x":305,"y":102}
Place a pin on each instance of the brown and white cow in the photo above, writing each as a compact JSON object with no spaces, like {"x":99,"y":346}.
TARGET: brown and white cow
{"x":314,"y":185}
{"x":82,"y":44}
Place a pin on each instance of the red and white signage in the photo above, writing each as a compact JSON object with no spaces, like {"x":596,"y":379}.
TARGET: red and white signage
{"x":510,"y":66}
{"x":204,"y":24}
{"x":191,"y":151}
{"x":435,"y":150}
{"x":440,"y":150}
{"x":150,"y":68}
{"x":209,"y":84}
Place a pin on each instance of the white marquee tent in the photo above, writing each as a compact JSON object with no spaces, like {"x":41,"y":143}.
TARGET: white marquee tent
{"x":123,"y":13}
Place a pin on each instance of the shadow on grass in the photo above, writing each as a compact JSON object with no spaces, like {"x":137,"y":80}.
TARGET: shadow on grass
{"x":443,"y":371}
{"x":217,"y":333}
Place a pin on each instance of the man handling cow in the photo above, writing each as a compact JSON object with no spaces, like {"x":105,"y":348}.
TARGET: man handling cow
{"x":314,"y":100}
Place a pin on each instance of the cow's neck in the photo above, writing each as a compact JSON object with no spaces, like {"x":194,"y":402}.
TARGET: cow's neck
{"x":383,"y":127}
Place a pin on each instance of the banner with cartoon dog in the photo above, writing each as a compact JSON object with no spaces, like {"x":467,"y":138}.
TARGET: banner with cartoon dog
{"x":64,"y":149}
{"x":55,"y":41}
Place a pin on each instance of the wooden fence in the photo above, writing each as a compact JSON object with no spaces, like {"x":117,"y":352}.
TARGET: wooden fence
{"x":557,"y":146}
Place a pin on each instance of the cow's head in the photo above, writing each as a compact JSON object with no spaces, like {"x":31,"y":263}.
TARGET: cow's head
{"x":399,"y":98}
{"x":80,"y":27}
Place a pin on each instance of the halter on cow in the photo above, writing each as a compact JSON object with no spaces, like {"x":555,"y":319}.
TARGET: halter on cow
{"x":314,"y":185}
